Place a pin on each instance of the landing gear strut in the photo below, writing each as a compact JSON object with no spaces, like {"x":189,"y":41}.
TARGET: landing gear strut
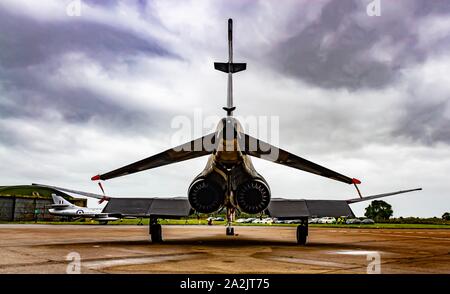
{"x":155,"y":230}
{"x":230,"y":218}
{"x":302,"y":232}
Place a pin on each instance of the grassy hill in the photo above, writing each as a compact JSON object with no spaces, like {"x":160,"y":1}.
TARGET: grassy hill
{"x":30,"y":191}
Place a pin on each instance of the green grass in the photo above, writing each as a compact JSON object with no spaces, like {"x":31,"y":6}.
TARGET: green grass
{"x":30,"y":191}
{"x":385,"y":226}
{"x":204,"y":222}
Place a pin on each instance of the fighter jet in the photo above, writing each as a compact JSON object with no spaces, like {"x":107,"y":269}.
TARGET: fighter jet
{"x":62,"y":207}
{"x":229,"y":180}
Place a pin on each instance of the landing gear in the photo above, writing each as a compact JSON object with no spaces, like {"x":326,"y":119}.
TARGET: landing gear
{"x":155,"y":230}
{"x":302,"y":232}
{"x":230,"y":218}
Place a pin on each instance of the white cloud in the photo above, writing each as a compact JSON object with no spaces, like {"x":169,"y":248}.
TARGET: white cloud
{"x":433,"y":29}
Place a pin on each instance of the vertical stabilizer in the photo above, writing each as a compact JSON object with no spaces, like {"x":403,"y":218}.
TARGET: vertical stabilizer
{"x":58,"y":200}
{"x":230,"y":68}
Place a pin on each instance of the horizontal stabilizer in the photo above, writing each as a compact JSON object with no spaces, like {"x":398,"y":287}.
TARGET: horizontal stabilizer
{"x":230,"y":67}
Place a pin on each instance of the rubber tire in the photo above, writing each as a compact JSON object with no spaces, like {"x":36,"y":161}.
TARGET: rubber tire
{"x":302,"y":235}
{"x":156,"y":233}
{"x":230,"y":231}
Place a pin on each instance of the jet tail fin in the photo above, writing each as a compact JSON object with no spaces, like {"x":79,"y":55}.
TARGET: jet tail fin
{"x":60,"y":201}
{"x":230,"y":67}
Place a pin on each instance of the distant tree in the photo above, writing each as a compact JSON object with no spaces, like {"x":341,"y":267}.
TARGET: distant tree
{"x":379,"y":210}
{"x":446,"y":216}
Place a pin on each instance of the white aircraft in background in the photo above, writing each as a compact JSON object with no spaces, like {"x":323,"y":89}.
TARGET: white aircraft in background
{"x":62,"y":207}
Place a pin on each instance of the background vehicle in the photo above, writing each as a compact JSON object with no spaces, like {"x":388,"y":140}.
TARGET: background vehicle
{"x":267,"y":220}
{"x":367,"y":221}
{"x":353,"y":221}
{"x":327,"y":220}
{"x":313,"y":220}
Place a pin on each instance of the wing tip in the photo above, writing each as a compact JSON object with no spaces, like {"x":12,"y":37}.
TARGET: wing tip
{"x":356,"y":181}
{"x":96,"y":178}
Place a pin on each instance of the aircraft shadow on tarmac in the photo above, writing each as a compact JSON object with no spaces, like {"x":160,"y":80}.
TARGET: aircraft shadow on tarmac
{"x":228,"y":242}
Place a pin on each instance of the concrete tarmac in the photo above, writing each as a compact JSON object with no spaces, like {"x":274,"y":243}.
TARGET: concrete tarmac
{"x":206,"y":249}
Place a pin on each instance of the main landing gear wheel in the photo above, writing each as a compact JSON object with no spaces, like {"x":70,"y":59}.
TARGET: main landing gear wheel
{"x":155,"y":231}
{"x":302,"y":233}
{"x":230,"y":231}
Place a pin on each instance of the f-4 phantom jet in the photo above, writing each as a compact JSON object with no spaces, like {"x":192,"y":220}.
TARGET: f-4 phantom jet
{"x":229,"y":180}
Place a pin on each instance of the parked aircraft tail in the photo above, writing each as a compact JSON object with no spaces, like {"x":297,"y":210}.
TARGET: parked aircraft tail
{"x":60,"y":201}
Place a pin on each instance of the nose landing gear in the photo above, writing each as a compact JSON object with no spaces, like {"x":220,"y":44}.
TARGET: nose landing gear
{"x":230,"y":218}
{"x":230,"y":231}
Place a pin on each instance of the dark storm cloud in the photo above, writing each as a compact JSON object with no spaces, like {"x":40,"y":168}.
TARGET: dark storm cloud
{"x":30,"y":55}
{"x":31,"y":98}
{"x":426,"y":123}
{"x":335,"y":50}
{"x":28,"y":94}
{"x":108,"y":3}
{"x":345,"y":48}
{"x":424,"y":118}
{"x":25,"y":41}
{"x":432,"y":7}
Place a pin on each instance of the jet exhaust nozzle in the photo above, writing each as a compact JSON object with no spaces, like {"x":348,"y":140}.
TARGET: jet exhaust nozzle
{"x":253,"y":196}
{"x":205,"y":196}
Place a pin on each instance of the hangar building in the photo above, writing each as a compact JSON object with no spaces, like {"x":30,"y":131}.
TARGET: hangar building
{"x":30,"y":203}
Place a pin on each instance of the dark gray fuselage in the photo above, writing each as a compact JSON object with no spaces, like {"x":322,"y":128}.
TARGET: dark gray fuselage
{"x":229,"y":178}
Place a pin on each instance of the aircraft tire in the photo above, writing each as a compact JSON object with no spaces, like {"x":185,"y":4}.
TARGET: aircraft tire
{"x":156,"y":233}
{"x":230,"y":231}
{"x":302,"y":235}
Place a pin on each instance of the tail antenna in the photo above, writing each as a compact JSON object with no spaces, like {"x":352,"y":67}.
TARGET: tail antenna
{"x":230,"y":68}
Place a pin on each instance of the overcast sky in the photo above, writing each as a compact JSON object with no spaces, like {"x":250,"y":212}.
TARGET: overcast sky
{"x":366,"y":96}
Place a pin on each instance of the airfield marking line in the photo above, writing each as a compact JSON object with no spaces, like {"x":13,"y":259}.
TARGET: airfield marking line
{"x":100,"y":264}
{"x":394,"y":261}
{"x":83,"y":241}
{"x":403,"y":236}
{"x":309,"y":261}
{"x":103,"y":259}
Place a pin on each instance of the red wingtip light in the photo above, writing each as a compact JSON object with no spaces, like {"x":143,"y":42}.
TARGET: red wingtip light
{"x":356,"y":181}
{"x":103,"y":199}
{"x":95,"y":178}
